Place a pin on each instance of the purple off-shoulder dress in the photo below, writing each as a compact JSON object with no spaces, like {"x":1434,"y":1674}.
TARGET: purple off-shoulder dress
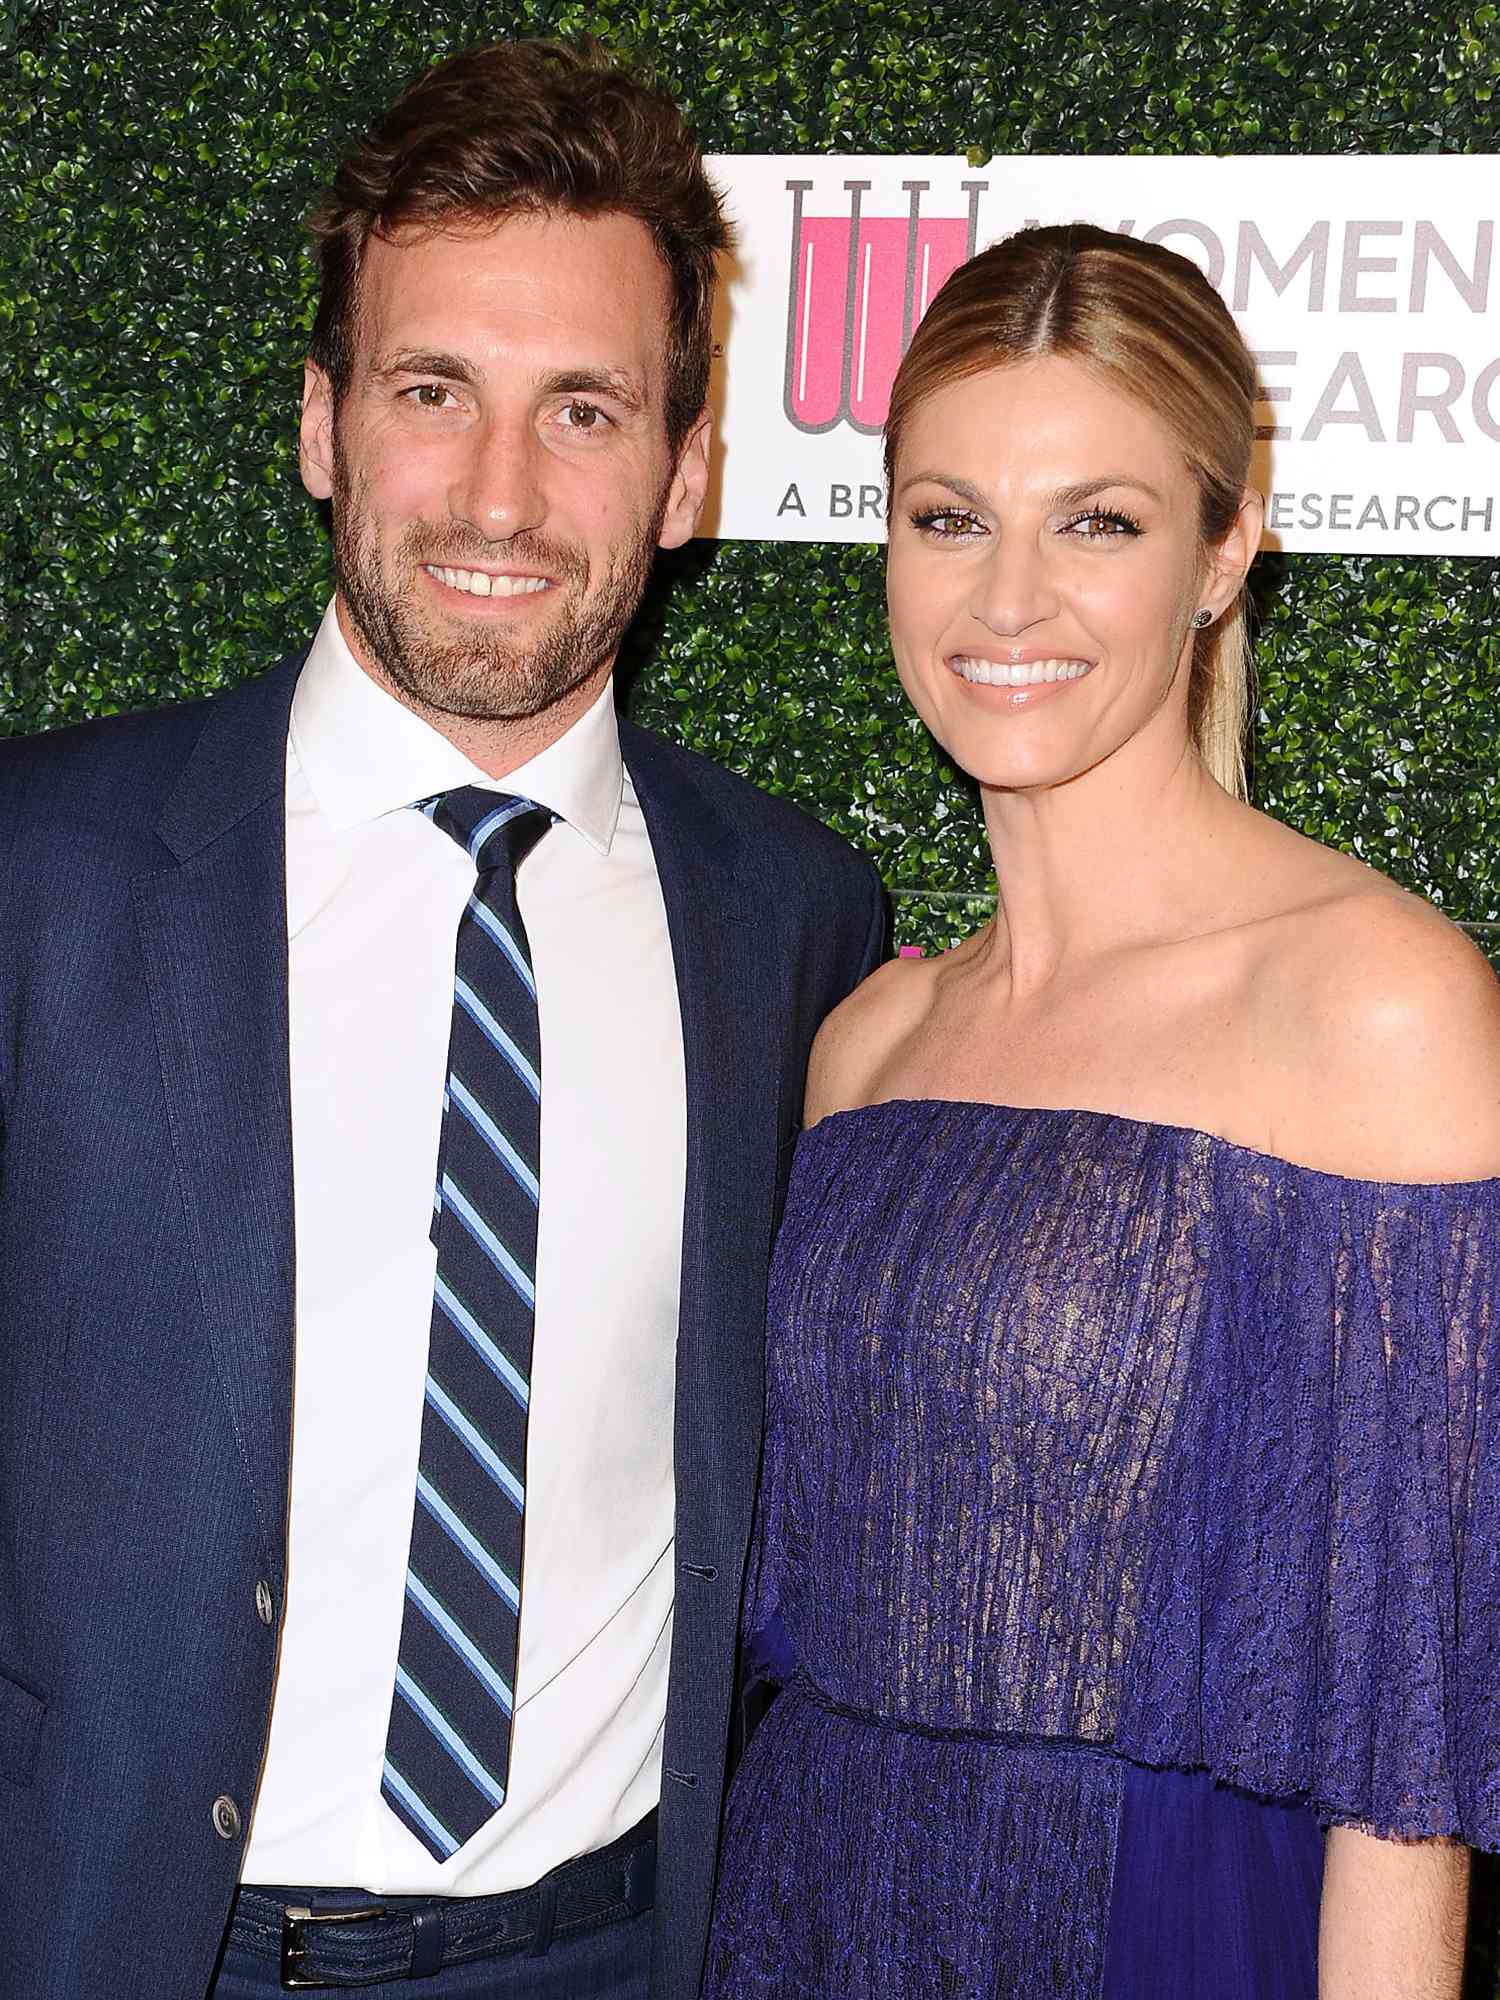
{"x":1132,"y":1509}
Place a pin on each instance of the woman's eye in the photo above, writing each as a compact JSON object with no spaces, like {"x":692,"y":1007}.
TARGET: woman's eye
{"x":1101,"y":525}
{"x":946,"y":523}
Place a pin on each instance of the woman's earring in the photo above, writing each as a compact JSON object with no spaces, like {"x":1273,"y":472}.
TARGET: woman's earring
{"x":1202,"y":618}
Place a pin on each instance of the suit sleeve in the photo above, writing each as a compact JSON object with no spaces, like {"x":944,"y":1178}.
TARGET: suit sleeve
{"x":878,"y":925}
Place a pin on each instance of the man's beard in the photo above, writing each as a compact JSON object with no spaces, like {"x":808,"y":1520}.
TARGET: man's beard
{"x":489,"y":676}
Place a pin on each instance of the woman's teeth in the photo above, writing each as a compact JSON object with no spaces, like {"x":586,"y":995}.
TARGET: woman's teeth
{"x":995,"y":673}
{"x":479,"y":582}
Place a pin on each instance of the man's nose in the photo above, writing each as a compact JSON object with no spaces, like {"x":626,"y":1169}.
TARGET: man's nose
{"x":498,"y":489}
{"x":1015,"y":589}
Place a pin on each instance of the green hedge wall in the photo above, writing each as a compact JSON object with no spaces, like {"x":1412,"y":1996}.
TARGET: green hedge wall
{"x":156,"y":157}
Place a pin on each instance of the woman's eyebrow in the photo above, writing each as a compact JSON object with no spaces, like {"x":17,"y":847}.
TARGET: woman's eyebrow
{"x":1075,"y":495}
{"x":962,"y":487}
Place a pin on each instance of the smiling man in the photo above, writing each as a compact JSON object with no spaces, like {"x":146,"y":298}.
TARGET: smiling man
{"x":401,"y":1059}
{"x":503,"y":464}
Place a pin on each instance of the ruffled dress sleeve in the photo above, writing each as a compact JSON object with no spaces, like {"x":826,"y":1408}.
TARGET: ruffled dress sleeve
{"x":1323,"y":1620}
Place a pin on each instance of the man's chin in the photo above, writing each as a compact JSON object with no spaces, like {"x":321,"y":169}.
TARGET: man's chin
{"x":459,"y":698}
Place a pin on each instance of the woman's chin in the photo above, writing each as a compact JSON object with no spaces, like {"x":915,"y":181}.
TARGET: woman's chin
{"x":1013,"y":767}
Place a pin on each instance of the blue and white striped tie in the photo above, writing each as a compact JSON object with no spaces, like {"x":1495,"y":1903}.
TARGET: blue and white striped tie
{"x":447,"y":1757}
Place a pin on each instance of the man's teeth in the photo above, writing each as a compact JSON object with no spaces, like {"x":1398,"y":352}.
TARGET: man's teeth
{"x":995,"y":673}
{"x":479,"y":582}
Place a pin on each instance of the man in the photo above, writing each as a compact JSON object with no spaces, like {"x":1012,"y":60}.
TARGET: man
{"x":399,"y":1066}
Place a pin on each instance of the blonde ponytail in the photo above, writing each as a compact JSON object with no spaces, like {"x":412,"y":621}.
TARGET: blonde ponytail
{"x":1219,"y":697}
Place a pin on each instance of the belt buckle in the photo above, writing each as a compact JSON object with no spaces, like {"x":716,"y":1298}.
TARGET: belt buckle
{"x":294,"y":1947}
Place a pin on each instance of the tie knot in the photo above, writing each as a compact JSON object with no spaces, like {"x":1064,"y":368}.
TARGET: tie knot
{"x":495,"y":829}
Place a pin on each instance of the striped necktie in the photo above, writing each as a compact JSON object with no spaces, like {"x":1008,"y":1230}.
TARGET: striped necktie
{"x":447,"y":1756}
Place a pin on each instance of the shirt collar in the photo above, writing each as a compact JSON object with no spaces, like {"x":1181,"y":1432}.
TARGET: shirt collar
{"x":365,"y":754}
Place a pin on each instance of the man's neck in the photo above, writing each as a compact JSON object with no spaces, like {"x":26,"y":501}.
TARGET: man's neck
{"x":495,"y":745}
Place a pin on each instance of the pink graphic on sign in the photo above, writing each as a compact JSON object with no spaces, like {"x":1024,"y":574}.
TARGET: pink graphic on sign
{"x":878,"y":320}
{"x":820,"y":290}
{"x":859,"y":286}
{"x":942,"y":245}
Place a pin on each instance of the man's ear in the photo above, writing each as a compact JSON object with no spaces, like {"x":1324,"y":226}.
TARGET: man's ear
{"x":689,"y":486}
{"x":317,"y":432}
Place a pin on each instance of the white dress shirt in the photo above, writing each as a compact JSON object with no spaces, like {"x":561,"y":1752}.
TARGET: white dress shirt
{"x":374,"y":896}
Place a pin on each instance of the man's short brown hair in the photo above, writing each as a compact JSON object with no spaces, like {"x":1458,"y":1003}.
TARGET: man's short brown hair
{"x":528,"y":128}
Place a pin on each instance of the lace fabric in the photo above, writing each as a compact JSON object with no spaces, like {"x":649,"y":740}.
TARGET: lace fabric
{"x":1091,"y":1435}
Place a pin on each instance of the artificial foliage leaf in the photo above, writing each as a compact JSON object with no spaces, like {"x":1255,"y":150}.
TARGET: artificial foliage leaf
{"x":155,"y":543}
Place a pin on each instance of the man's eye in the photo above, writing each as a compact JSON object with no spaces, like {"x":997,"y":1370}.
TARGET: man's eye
{"x":429,"y":395}
{"x":580,"y":416}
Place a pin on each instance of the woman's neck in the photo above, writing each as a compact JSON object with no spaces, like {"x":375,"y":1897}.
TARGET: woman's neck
{"x":1127,"y":853}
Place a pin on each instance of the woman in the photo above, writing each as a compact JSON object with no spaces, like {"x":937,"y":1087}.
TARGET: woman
{"x":1130,"y":1499}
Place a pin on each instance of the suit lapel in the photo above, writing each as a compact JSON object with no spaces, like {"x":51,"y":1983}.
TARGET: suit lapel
{"x":730,"y":1066}
{"x":213,"y":937}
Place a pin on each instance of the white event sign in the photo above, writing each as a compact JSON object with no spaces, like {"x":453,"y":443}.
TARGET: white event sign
{"x":1368,"y":288}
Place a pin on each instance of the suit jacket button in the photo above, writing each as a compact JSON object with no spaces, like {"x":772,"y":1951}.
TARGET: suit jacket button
{"x":226,"y":1816}
{"x":264,"y":1607}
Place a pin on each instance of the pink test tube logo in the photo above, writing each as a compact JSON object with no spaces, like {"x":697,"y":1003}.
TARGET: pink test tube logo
{"x":859,"y":286}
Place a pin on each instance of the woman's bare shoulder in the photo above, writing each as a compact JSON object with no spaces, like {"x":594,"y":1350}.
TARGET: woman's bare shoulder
{"x":1382,"y":1023}
{"x":860,"y":1034}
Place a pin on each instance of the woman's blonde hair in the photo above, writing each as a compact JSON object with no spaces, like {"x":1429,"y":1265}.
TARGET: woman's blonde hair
{"x":1148,"y":323}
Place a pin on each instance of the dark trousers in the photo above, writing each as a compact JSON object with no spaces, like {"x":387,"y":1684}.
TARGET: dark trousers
{"x":582,"y":1933}
{"x":609,"y":1964}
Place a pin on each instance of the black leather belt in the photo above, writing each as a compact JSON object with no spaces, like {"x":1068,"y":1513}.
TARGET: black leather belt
{"x":333,"y":1938}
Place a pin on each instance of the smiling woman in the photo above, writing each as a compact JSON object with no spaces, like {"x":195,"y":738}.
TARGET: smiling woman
{"x":1019,"y":592}
{"x":1143,"y":322}
{"x":1132,"y":1498}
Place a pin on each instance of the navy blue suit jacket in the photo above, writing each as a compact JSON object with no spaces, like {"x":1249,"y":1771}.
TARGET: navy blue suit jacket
{"x":146,"y":1293}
